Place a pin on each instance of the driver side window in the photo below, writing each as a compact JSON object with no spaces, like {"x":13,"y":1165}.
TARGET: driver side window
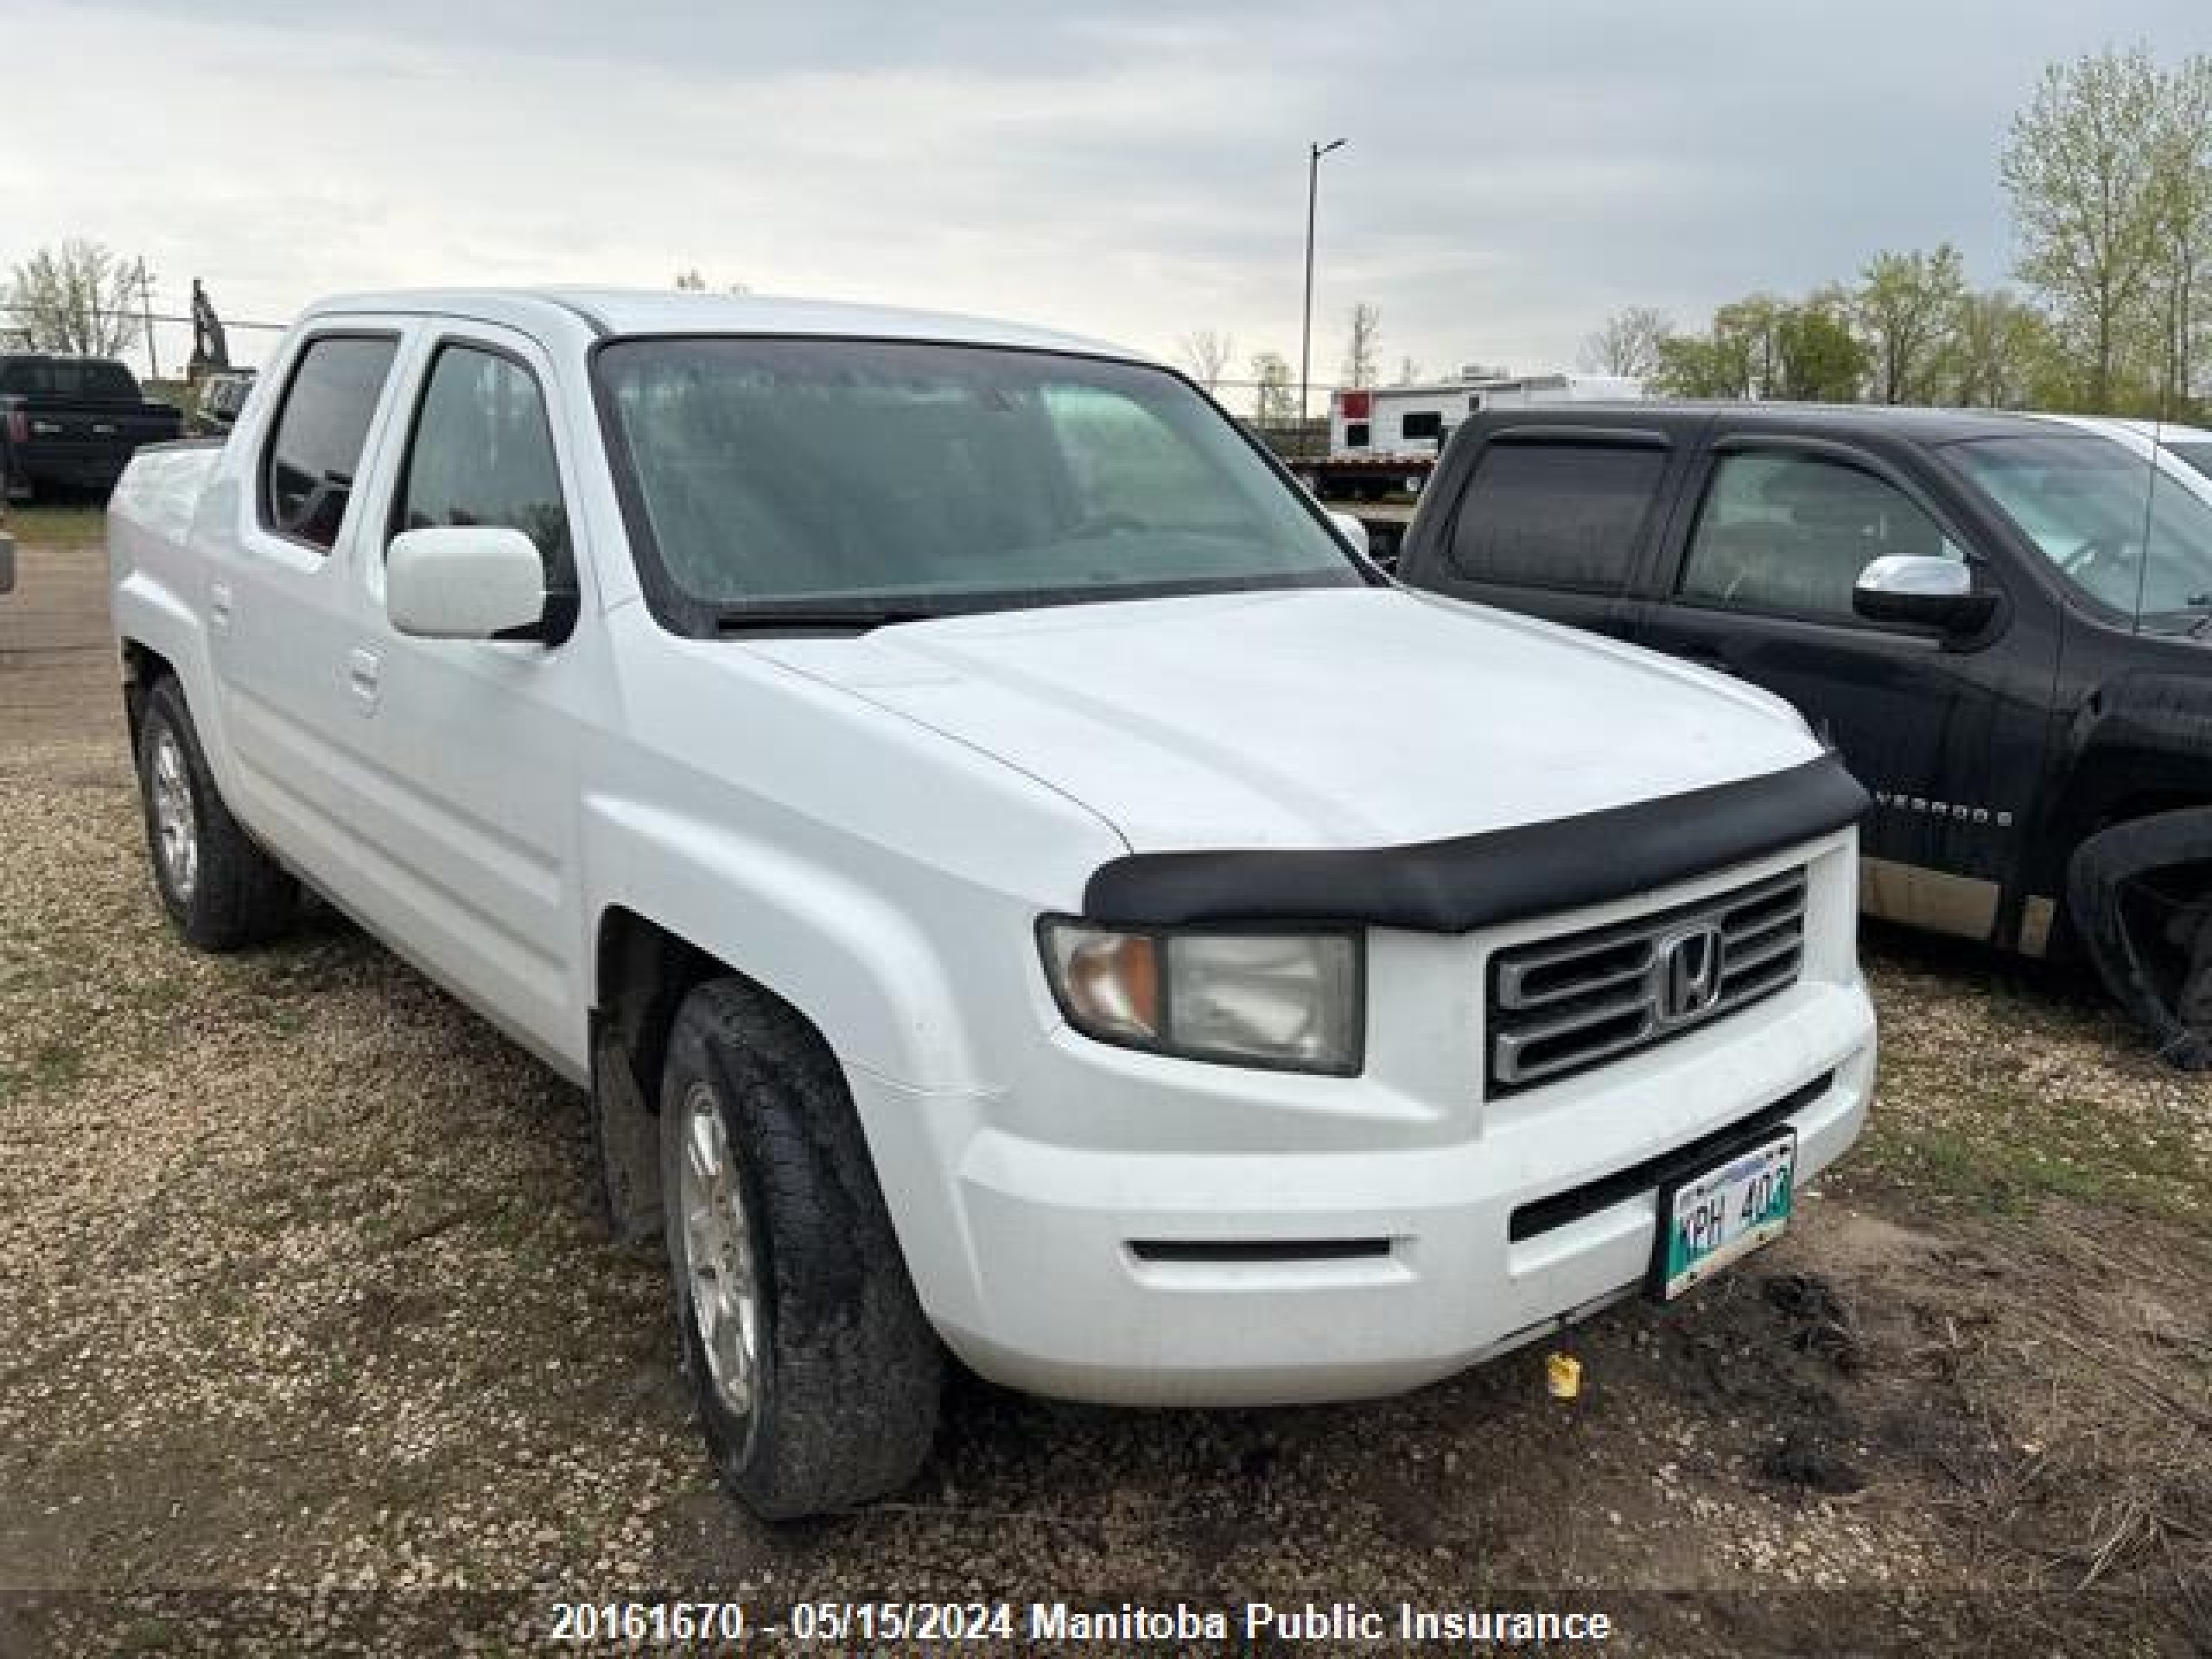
{"x":1787,"y":535}
{"x":482,"y":454}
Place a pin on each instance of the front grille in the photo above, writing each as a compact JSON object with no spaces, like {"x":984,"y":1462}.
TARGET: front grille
{"x":1560,"y":1005}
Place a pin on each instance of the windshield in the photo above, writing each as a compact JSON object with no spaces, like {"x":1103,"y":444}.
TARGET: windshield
{"x":2088,"y":502}
{"x":844,"y":477}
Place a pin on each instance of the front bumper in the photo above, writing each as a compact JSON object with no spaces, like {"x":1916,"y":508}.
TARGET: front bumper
{"x":1344,"y":1267}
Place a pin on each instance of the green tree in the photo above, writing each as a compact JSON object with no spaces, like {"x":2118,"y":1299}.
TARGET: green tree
{"x":1818,"y":359}
{"x":1907,"y":310}
{"x":2003,"y":356}
{"x":2182,"y":162}
{"x":2083,"y":173}
{"x":1695,"y":365}
{"x":1747,"y":337}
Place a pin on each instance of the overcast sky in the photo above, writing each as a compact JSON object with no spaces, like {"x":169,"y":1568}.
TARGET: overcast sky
{"x":1515,"y":171}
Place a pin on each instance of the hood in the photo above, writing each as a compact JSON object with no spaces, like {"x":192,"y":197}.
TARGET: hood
{"x":1313,"y":719}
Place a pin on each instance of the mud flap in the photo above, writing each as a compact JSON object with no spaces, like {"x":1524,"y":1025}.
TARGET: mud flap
{"x":2152,"y":940}
{"x":626,"y":1136}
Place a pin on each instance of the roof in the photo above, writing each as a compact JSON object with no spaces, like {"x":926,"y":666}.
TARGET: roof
{"x":1844,"y":421}
{"x":2164,"y":431}
{"x":667,"y":312}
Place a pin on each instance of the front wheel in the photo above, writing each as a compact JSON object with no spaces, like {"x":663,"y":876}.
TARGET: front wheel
{"x":816,"y":1372}
{"x":2140,"y":894}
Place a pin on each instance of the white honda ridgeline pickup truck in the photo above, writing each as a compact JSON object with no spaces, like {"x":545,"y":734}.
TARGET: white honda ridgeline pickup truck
{"x":1011,"y":877}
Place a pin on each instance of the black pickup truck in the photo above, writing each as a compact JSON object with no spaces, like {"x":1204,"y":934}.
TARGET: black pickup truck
{"x":2002,"y":623}
{"x":71,"y":423}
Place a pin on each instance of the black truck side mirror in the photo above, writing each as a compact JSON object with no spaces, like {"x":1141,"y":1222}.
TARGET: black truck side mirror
{"x":1921,"y":592}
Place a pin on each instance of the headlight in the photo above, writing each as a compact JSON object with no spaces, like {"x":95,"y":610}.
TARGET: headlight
{"x":1291,"y":1000}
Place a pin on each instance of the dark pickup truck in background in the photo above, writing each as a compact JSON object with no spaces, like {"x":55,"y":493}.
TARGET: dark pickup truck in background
{"x":2002,"y":623}
{"x":73,"y":423}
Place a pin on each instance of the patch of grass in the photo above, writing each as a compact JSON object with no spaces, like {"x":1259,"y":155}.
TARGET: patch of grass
{"x":2000,"y":1147}
{"x":74,"y":525}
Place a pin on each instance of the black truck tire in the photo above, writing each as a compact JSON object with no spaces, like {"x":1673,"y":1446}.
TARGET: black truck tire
{"x":841,"y":1371}
{"x":15,"y":490}
{"x":2152,"y":945}
{"x":224,"y":893}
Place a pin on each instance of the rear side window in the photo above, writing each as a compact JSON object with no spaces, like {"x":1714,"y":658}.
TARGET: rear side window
{"x":107,"y":382}
{"x":1556,"y":515}
{"x":91,"y":381}
{"x":308,"y":474}
{"x":482,"y":454}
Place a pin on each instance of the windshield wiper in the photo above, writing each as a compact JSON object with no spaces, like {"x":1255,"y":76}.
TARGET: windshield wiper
{"x":772,"y":617}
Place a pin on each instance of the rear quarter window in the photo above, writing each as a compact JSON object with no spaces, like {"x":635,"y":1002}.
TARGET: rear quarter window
{"x":1554,"y":515}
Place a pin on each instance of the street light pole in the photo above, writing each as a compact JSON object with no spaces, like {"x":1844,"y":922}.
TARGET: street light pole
{"x":1314,"y":155}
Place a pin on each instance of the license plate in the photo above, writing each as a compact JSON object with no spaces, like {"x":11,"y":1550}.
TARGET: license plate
{"x":1709,"y":1219}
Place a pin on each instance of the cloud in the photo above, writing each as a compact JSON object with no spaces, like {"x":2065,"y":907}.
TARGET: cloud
{"x":1514,"y":173}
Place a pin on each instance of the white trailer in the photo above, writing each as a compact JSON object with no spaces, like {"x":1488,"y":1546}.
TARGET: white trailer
{"x":1414,"y":421}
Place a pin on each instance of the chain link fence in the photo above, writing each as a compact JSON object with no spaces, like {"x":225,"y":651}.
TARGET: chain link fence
{"x":159,"y":342}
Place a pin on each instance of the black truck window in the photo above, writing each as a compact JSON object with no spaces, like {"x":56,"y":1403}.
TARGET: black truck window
{"x":1556,"y":515}
{"x":308,"y":474}
{"x":1790,"y":534}
{"x":482,"y":454}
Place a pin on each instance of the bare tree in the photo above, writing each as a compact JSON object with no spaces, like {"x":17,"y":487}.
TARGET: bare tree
{"x":1629,"y":342}
{"x":1207,"y":352}
{"x":1276,"y":398}
{"x":690,"y":282}
{"x":80,"y":298}
{"x":1360,"y":345}
{"x":1408,"y":372}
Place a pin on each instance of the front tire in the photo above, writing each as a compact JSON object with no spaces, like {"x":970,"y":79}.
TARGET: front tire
{"x":219,"y":888}
{"x":816,"y":1372}
{"x":2140,"y":894}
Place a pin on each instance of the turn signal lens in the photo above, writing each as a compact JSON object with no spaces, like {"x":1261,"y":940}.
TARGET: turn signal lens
{"x":1110,"y":980}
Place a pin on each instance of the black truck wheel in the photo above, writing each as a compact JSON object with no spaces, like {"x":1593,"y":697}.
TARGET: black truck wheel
{"x":2141,"y":898}
{"x":816,"y":1372}
{"x":219,"y":887}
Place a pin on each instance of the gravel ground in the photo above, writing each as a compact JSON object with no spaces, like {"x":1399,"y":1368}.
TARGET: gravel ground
{"x":315,"y":1342}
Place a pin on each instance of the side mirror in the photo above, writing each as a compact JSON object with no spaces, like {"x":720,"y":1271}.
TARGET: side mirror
{"x":1921,"y":592}
{"x":464,"y":583}
{"x":1353,"y":532}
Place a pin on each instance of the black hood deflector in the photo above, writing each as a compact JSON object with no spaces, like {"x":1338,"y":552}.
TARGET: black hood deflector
{"x":1502,"y":875}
